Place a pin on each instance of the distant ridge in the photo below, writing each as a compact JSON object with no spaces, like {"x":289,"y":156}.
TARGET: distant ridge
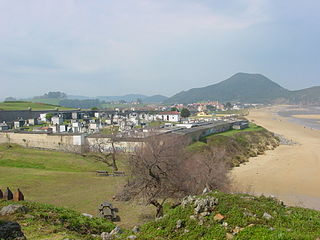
{"x":247,"y":88}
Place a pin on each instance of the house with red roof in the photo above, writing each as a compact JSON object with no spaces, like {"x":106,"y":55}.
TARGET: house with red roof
{"x":172,"y":116}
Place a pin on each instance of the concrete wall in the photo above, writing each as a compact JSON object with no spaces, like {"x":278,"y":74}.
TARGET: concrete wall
{"x":70,"y":143}
{"x":123,"y":146}
{"x":60,"y":142}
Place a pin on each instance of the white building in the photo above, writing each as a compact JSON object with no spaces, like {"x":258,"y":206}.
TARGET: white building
{"x":172,"y":116}
{"x":57,"y":120}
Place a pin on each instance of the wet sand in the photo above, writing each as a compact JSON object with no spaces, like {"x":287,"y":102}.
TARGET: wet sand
{"x":306,"y":116}
{"x":290,"y":173}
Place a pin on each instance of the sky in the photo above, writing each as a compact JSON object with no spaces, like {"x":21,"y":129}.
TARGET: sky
{"x":109,"y":47}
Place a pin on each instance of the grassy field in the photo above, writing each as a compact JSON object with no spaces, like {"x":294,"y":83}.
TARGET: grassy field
{"x":252,"y":128}
{"x":66,"y":180}
{"x":22,"y":105}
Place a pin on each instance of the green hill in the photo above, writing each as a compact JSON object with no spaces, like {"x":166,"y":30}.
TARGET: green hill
{"x":246,"y":88}
{"x":23,"y":105}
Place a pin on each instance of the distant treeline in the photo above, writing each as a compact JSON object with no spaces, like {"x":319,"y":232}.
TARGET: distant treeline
{"x":74,"y":103}
{"x":59,"y":95}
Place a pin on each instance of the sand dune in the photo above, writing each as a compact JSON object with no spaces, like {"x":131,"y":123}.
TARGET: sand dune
{"x":291,"y":173}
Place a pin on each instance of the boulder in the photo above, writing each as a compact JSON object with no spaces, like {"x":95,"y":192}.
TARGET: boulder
{"x":267,"y":216}
{"x":12,"y":209}
{"x":135,"y":229}
{"x":11,"y":231}
{"x":87,"y":215}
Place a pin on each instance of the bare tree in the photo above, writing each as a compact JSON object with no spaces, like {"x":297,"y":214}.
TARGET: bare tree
{"x":104,"y":148}
{"x":205,"y":169}
{"x":163,"y":169}
{"x":154,"y":170}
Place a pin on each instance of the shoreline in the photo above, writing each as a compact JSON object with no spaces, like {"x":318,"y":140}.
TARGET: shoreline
{"x":289,"y":172}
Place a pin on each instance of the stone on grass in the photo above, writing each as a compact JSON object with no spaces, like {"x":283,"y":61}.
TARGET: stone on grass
{"x":12,"y":209}
{"x":179,"y":224}
{"x":11,"y":231}
{"x":267,"y":216}
{"x":218,"y":217}
{"x":135,"y":229}
{"x":87,"y":215}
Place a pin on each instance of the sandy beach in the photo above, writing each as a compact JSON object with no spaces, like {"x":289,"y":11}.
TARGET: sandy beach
{"x":290,"y":173}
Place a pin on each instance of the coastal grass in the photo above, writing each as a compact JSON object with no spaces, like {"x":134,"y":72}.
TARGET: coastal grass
{"x":243,"y":219}
{"x":24,"y":105}
{"x":44,"y":221}
{"x":66,"y":180}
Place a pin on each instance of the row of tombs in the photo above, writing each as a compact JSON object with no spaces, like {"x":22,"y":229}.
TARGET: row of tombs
{"x":8,"y":195}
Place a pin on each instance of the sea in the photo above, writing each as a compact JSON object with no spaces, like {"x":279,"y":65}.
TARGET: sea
{"x":290,"y":111}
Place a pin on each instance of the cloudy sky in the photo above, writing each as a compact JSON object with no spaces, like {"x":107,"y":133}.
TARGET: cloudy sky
{"x":115,"y":47}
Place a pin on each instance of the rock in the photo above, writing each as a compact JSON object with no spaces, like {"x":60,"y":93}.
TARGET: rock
{"x":135,"y":229}
{"x":87,"y":215}
{"x":132,"y":237}
{"x":116,"y":230}
{"x":106,"y":236}
{"x":218,"y":217}
{"x":11,"y":231}
{"x":193,"y":217}
{"x":236,"y":230}
{"x":205,"y":191}
{"x":204,"y":214}
{"x":187,"y":200}
{"x":201,"y":222}
{"x":186,"y":230}
{"x":229,"y":236}
{"x":179,"y":224}
{"x":224,"y":224}
{"x":267,"y":216}
{"x":13,"y":208}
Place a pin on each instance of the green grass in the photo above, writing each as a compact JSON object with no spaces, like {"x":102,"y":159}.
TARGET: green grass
{"x":51,"y":101}
{"x":44,"y":221}
{"x":239,"y":210}
{"x":252,"y":127}
{"x":21,"y":157}
{"x":22,"y":105}
{"x":65,"y":180}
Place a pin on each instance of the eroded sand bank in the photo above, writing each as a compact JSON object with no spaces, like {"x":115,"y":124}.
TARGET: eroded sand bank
{"x":291,"y":173}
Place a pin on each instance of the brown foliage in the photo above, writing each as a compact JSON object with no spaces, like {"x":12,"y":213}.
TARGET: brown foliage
{"x":163,"y":169}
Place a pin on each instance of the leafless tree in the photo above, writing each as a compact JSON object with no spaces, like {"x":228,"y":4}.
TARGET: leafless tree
{"x":154,"y":170}
{"x":104,"y":149}
{"x":205,"y":169}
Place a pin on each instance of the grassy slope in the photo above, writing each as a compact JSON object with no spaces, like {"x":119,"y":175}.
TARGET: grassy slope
{"x":241,"y":211}
{"x":21,"y":105}
{"x":44,"y":221}
{"x":64,"y":179}
{"x":239,"y":145}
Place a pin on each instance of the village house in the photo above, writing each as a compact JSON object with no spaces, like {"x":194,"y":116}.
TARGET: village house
{"x":57,"y":120}
{"x":32,"y":121}
{"x":19,"y":123}
{"x":4,"y":126}
{"x":171,"y":116}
